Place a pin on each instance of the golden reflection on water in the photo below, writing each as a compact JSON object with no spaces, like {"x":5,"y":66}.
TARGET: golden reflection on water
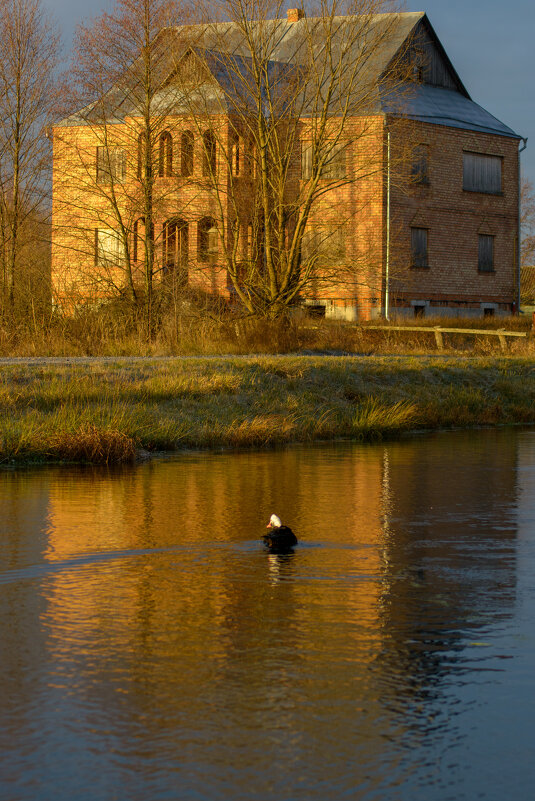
{"x":145,"y":596}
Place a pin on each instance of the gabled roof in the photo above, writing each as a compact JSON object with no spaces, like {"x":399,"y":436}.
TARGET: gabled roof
{"x":439,"y":106}
{"x":440,"y":98}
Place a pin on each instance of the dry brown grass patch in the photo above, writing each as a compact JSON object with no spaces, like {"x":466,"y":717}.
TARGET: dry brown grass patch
{"x":94,"y":445}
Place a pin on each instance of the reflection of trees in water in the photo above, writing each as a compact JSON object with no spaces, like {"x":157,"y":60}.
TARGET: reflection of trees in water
{"x":449,"y":565}
{"x":195,"y":625}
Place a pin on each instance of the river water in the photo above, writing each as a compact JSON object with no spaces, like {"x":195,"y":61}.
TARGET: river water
{"x":150,"y":648}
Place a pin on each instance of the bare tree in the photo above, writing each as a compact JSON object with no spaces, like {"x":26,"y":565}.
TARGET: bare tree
{"x":114,"y":156}
{"x":281,"y":163}
{"x":527,"y":252}
{"x":293,"y":144}
{"x":29,"y":47}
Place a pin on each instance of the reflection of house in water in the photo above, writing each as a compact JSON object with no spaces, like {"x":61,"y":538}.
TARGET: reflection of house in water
{"x":161,"y":594}
{"x":450,"y":550}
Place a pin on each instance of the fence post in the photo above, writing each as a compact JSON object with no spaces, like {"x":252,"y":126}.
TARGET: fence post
{"x":503,"y":341}
{"x":438,"y":338}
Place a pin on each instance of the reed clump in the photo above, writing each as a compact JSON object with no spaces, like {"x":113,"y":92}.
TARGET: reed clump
{"x":376,"y":420}
{"x":92,"y":445}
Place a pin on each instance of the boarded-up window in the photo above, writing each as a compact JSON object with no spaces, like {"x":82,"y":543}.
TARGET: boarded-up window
{"x":111,"y":164}
{"x":335,"y":164}
{"x":482,"y":173}
{"x":323,"y":245}
{"x":109,"y":247}
{"x":420,"y":165}
{"x":419,"y":247}
{"x":485,"y":261}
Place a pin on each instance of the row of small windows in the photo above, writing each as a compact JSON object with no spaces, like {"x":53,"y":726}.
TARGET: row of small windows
{"x":109,"y":247}
{"x":111,"y":161}
{"x":481,"y":173}
{"x":322,"y":245}
{"x":420,"y":250}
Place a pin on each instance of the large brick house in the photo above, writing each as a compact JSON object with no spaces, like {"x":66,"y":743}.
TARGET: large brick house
{"x":443,"y":242}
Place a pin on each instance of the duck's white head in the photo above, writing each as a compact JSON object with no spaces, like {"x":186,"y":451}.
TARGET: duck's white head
{"x":274,"y":522}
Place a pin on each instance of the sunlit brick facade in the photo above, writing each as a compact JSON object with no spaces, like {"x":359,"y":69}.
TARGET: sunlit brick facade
{"x":443,"y":242}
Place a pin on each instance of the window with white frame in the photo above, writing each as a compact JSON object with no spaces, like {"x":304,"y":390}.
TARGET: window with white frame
{"x":323,"y":245}
{"x":109,"y":247}
{"x":332,"y":156}
{"x":482,"y":173}
{"x":111,"y":164}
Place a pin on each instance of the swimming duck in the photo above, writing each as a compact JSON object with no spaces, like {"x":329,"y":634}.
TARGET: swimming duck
{"x":279,"y":537}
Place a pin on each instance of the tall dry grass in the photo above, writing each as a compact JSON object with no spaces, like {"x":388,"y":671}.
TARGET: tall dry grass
{"x":114,"y":331}
{"x":106,"y":411}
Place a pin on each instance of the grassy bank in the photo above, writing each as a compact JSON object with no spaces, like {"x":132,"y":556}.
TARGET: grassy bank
{"x":107,"y":411}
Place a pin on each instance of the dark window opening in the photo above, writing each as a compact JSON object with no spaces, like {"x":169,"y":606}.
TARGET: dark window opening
{"x":176,"y":246}
{"x":207,"y":239}
{"x":420,"y":165}
{"x":419,"y":311}
{"x":488,"y":312}
{"x":419,"y":247}
{"x":209,"y":154}
{"x":186,"y":154}
{"x":165,"y":161}
{"x":485,"y":262}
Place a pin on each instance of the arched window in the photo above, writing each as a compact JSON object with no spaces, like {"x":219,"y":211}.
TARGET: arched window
{"x":175,"y":246}
{"x":139,"y":245}
{"x":143,"y":169}
{"x":165,"y":155}
{"x":207,"y":239}
{"x":234,"y":153}
{"x":186,"y":154}
{"x":209,"y":154}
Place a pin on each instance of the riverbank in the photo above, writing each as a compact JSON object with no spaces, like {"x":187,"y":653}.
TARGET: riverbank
{"x":109,"y":411}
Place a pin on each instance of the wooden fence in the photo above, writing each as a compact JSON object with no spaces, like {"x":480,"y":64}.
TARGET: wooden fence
{"x":438,"y":331}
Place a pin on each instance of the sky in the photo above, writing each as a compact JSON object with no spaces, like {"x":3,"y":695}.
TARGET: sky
{"x":490,"y":43}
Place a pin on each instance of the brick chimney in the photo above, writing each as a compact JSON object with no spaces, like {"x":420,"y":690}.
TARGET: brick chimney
{"x":295,"y":14}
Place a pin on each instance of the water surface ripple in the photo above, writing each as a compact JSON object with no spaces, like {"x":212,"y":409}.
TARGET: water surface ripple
{"x":152,"y":649}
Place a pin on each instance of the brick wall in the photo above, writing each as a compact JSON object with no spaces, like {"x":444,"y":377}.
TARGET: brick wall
{"x":454,"y":219}
{"x":355,"y":288}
